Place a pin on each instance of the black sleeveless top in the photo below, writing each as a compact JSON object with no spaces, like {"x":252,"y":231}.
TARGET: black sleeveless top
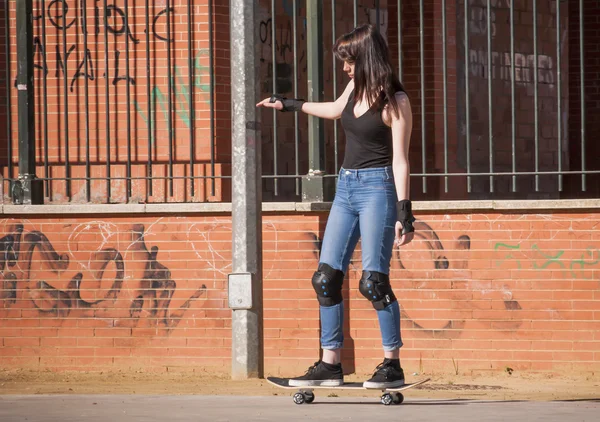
{"x":368,"y":138}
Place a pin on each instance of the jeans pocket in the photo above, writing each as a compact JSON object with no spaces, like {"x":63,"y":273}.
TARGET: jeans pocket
{"x":374,"y":182}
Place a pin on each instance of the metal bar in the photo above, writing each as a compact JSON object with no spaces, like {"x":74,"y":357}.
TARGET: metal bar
{"x":445,"y":76}
{"x":148,"y":102}
{"x":170,"y":92}
{"x":45,"y":91}
{"x":291,"y":176}
{"x":509,"y":173}
{"x":316,"y":144}
{"x":489,"y":75}
{"x":211,"y":65}
{"x":191,"y":95}
{"x":107,"y":103}
{"x":246,"y":323}
{"x":582,"y":93}
{"x":314,"y":187}
{"x":535,"y":99}
{"x":355,"y":13}
{"x":88,"y":184}
{"x":8,"y":91}
{"x":423,"y":116}
{"x":274,"y":72}
{"x":467,"y":102}
{"x":399,"y":18}
{"x":66,"y":100}
{"x":28,"y":191}
{"x":146,"y":177}
{"x":512,"y":94}
{"x":296,"y":121}
{"x":559,"y":94}
{"x":128,"y":96}
{"x":335,"y":93}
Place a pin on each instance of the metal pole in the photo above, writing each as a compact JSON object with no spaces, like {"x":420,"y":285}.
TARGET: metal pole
{"x":559,"y":96}
{"x":467,"y":93}
{"x":582,"y":95}
{"x":490,"y":107}
{"x":445,"y":89}
{"x":513,"y":114}
{"x":314,"y":46}
{"x":27,"y":190}
{"x":536,"y":135}
{"x":423,"y":115}
{"x":315,"y":187}
{"x":245,"y":282}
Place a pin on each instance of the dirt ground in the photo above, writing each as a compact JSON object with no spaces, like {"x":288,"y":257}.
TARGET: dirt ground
{"x":489,"y":387}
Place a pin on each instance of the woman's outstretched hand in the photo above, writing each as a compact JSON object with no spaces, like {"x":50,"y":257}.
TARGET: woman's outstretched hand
{"x":277,"y":105}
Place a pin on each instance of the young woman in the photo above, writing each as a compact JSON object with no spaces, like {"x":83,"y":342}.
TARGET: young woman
{"x":371,"y":201}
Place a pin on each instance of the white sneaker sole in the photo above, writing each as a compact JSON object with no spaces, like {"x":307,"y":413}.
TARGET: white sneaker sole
{"x":315,"y":383}
{"x":383,"y":385}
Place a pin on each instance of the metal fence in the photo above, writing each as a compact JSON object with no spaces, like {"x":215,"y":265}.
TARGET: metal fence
{"x":124,"y":96}
{"x":500,"y":91}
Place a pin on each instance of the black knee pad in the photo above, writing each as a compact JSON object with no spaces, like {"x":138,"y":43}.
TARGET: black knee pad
{"x":327,"y":282}
{"x":376,"y":287}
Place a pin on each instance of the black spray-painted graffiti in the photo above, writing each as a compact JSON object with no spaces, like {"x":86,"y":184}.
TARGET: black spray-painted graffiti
{"x":58,"y":15}
{"x":114,"y":20}
{"x":25,"y":278}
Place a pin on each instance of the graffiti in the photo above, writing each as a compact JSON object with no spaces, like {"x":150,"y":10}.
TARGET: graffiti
{"x":166,"y":37}
{"x":113,"y":19}
{"x":284,"y":40}
{"x":181,"y":92}
{"x":428,"y":251}
{"x":118,"y":78}
{"x":478,"y":24}
{"x":113,"y":11}
{"x":57,"y":15}
{"x":81,"y":72}
{"x":537,"y":259}
{"x":68,"y":284}
{"x":501,"y":66}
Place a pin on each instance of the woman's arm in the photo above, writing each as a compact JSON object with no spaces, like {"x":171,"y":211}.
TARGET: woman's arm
{"x":401,"y":131}
{"x":330,"y":110}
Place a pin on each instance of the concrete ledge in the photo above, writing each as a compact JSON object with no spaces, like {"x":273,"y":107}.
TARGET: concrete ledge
{"x":303,"y":207}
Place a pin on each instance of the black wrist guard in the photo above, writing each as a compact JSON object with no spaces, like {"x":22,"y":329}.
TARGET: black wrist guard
{"x":288,"y":104}
{"x":405,"y":216}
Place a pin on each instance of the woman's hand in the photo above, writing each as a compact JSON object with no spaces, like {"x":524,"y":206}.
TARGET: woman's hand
{"x":402,"y":239}
{"x":277,"y":105}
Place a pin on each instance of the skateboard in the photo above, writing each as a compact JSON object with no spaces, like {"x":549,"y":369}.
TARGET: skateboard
{"x":307,"y":395}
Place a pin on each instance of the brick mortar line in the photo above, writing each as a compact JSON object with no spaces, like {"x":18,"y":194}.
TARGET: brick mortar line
{"x":304,"y":207}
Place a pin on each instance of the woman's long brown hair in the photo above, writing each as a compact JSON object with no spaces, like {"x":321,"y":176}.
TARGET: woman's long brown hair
{"x":374,"y":77}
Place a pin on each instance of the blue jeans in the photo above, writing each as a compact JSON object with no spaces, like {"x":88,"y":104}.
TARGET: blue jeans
{"x":364,"y":207}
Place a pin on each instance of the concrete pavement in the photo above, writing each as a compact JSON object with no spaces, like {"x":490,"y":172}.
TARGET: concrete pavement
{"x":127,"y":408}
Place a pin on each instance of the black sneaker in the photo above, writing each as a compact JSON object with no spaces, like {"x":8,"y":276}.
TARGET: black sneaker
{"x":388,"y":374}
{"x":320,"y":373}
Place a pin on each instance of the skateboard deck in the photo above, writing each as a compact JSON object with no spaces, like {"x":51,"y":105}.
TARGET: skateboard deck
{"x":307,"y":395}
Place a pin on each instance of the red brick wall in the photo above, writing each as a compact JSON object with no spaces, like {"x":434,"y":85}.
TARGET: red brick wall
{"x":488,"y":290}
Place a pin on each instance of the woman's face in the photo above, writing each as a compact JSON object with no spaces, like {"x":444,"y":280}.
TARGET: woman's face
{"x":349,"y":68}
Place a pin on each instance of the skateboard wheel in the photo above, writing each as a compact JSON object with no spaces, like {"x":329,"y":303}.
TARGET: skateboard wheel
{"x":309,"y":397}
{"x":298,"y":398}
{"x":387,"y":399}
{"x":397,"y":398}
